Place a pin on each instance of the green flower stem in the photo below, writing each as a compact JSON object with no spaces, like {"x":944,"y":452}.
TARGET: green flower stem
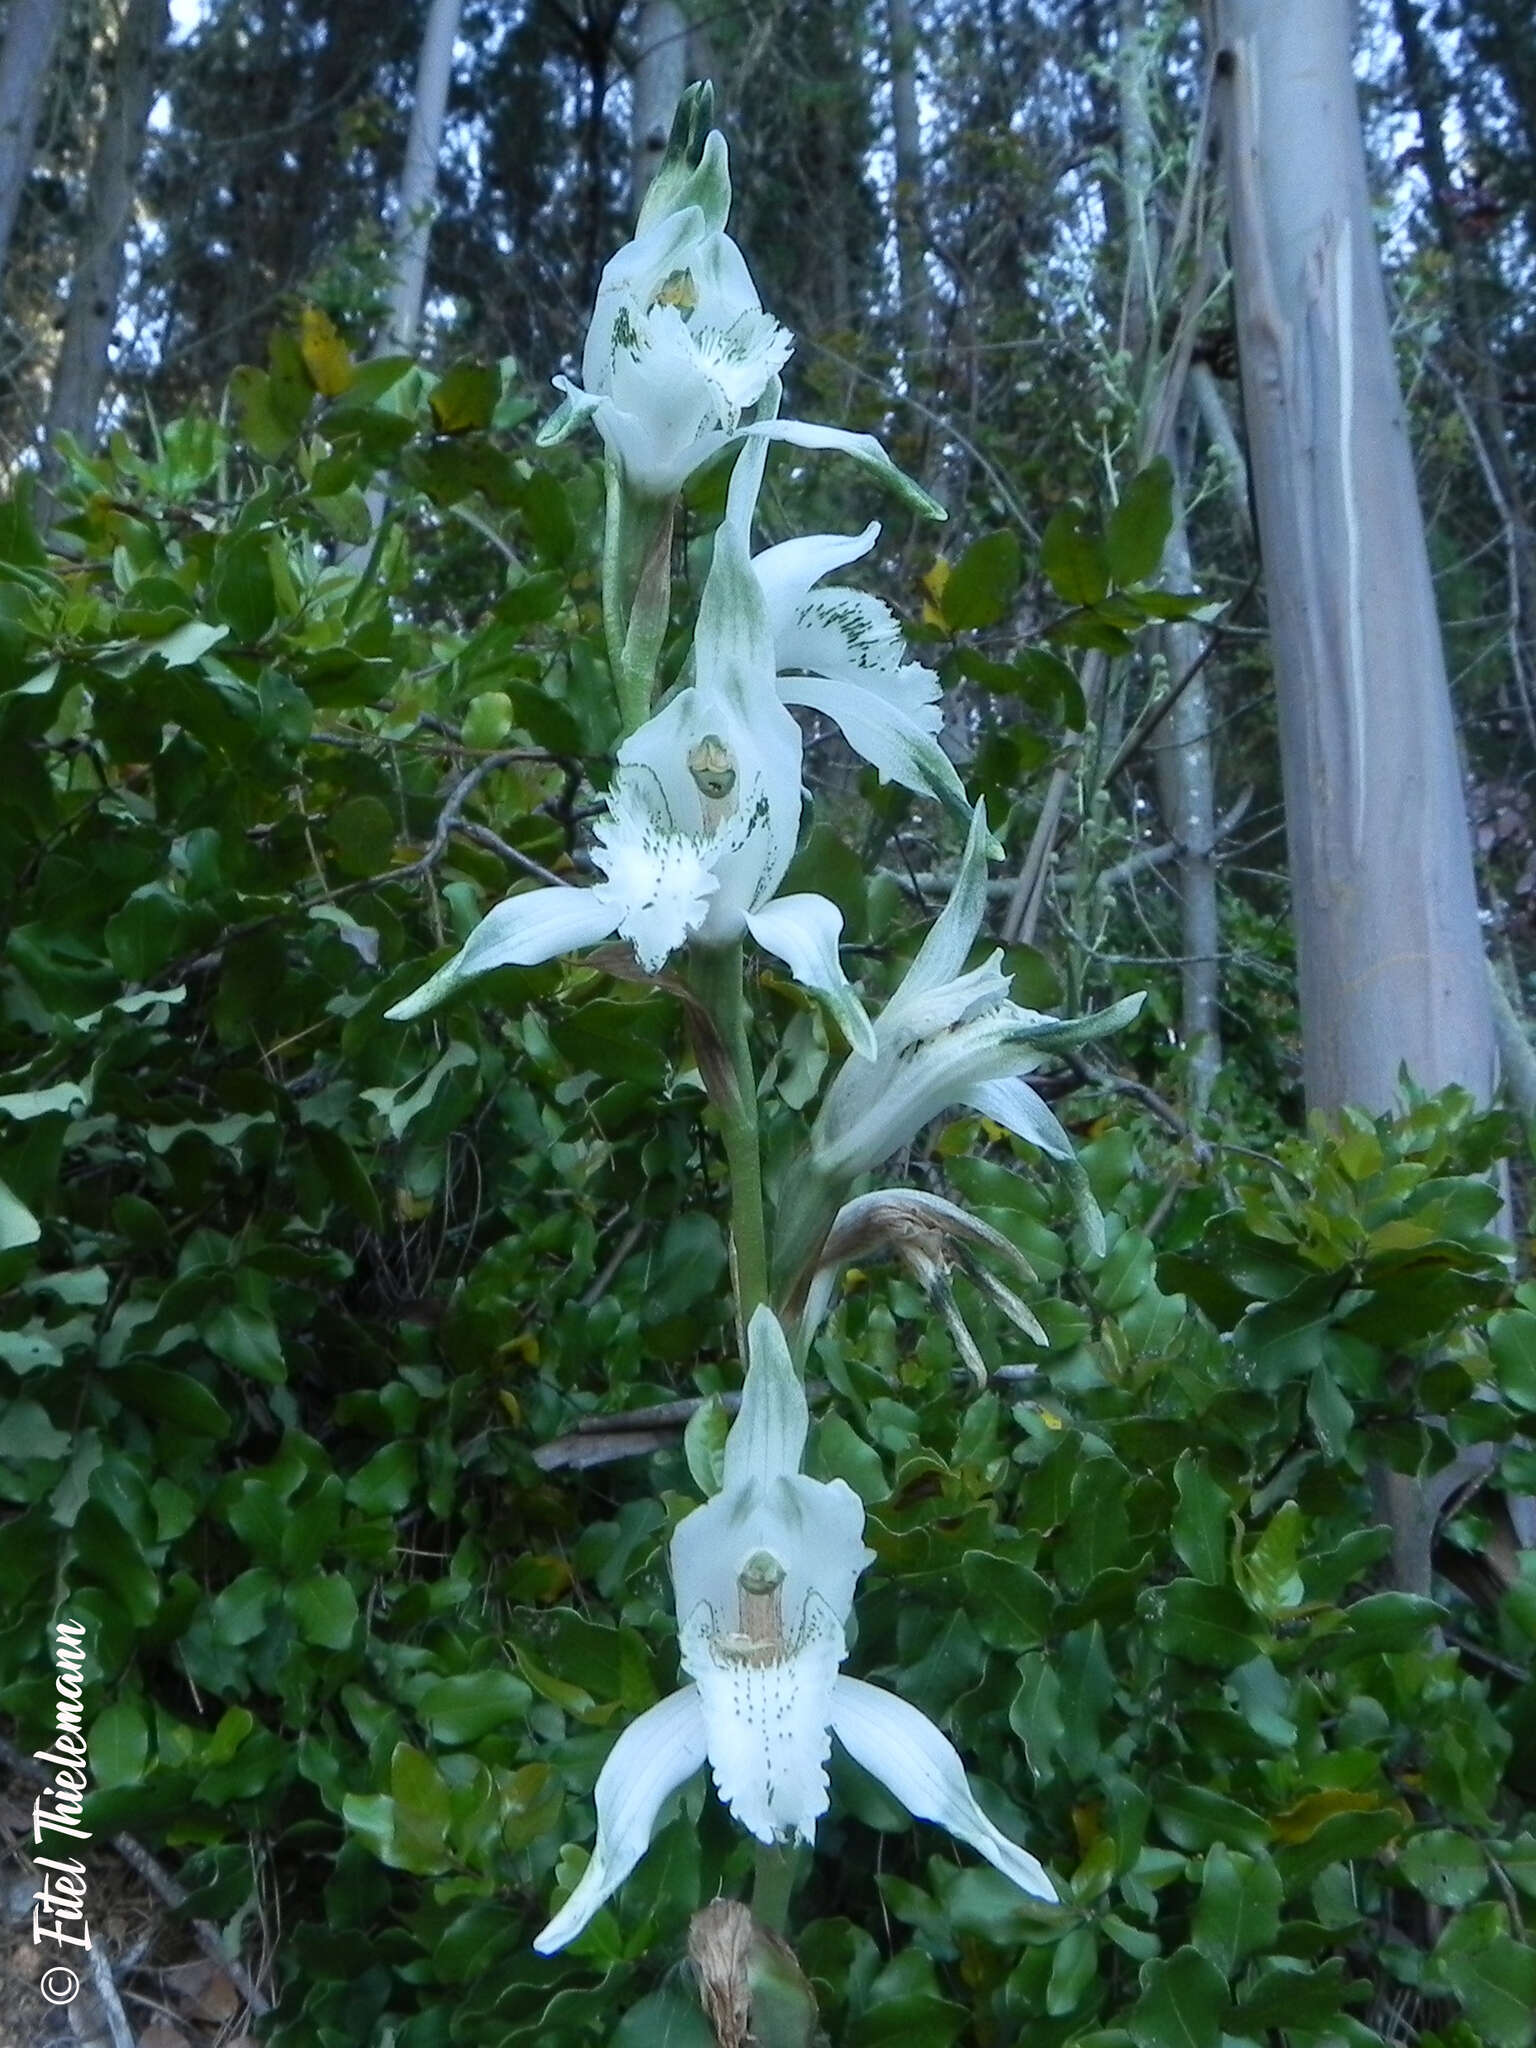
{"x":716,"y":975}
{"x":637,"y":593}
{"x":773,"y":1880}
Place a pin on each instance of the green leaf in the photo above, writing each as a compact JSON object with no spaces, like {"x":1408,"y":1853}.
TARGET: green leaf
{"x":186,"y":644}
{"x":325,"y":1608}
{"x":1512,"y":1347}
{"x":1140,"y":524}
{"x":1238,"y":1910}
{"x":837,"y":1451}
{"x":26,"y":1432}
{"x":172,"y":1397}
{"x":980,"y":588}
{"x":1292,"y":1994}
{"x":488,"y":719}
{"x":1492,"y":1975}
{"x":704,"y":1444}
{"x":362,"y":832}
{"x":463,"y":1709}
{"x":1444,"y":1866}
{"x":1073,"y":560}
{"x":247,"y":1340}
{"x":1012,"y":1606}
{"x":1073,"y":1968}
{"x":664,"y":2019}
{"x":1268,"y":1574}
{"x":119,"y":1744}
{"x":466,"y":397}
{"x":240,"y":1611}
{"x":1202,"y":1519}
{"x":18,"y":1226}
{"x":1183,"y":2003}
{"x":1205,"y":1624}
{"x":384,"y":1485}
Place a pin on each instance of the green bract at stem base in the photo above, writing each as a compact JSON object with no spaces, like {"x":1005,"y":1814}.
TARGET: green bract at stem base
{"x":637,"y":592}
{"x":715,"y":976}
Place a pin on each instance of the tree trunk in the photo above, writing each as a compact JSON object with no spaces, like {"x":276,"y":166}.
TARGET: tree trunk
{"x":1187,"y":800}
{"x":1390,"y":953}
{"x":81,"y":374}
{"x":659,"y":78}
{"x":31,"y":32}
{"x":1388,"y":939}
{"x":418,"y":178}
{"x":907,"y":135}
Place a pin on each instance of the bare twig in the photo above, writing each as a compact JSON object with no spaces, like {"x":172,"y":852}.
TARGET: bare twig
{"x":604,"y":1439}
{"x":106,"y":1991}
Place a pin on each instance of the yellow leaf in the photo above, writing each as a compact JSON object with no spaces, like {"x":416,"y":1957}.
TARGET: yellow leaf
{"x":525,"y":1347}
{"x":933,"y":586}
{"x":512,"y":1406}
{"x":1299,"y":1823}
{"x":325,"y":353}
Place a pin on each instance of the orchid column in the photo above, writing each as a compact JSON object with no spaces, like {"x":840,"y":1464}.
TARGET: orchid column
{"x":697,"y":830}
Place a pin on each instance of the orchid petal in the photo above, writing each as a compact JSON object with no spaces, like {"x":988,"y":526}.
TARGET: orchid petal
{"x":890,"y":739}
{"x":735,"y":640}
{"x":522,"y":931}
{"x":942,"y":954}
{"x":575,"y":409}
{"x":788,"y":570}
{"x":767,"y":1439}
{"x":1046,"y":1032}
{"x":1019,"y":1109}
{"x":902,"y":1748}
{"x":803,"y":932}
{"x":864,"y":448}
{"x":652,"y":1757}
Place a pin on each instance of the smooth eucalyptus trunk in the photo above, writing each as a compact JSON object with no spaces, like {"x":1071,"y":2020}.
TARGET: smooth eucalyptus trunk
{"x":1390,"y":951}
{"x":658,"y":80}
{"x":31,"y":31}
{"x":1389,"y":944}
{"x":81,"y":374}
{"x":418,"y":178}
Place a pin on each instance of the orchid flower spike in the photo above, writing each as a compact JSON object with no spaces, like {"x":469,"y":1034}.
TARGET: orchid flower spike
{"x":840,"y":651}
{"x":948,"y":1038}
{"x":699,"y":828}
{"x":680,"y":358}
{"x":764,"y":1576}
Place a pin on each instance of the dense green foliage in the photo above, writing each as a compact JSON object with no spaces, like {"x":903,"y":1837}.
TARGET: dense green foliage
{"x":304,"y":1308}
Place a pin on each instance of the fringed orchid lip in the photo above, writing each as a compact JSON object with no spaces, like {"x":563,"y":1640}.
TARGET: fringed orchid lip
{"x":764,"y":1575}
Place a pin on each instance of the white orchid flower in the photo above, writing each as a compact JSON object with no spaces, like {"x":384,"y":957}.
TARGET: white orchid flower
{"x":680,"y":352}
{"x":950,"y":1039}
{"x":764,"y":1576}
{"x":700,"y":826}
{"x":840,"y":651}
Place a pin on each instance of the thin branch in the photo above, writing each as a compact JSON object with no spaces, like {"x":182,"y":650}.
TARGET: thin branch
{"x":604,"y":1439}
